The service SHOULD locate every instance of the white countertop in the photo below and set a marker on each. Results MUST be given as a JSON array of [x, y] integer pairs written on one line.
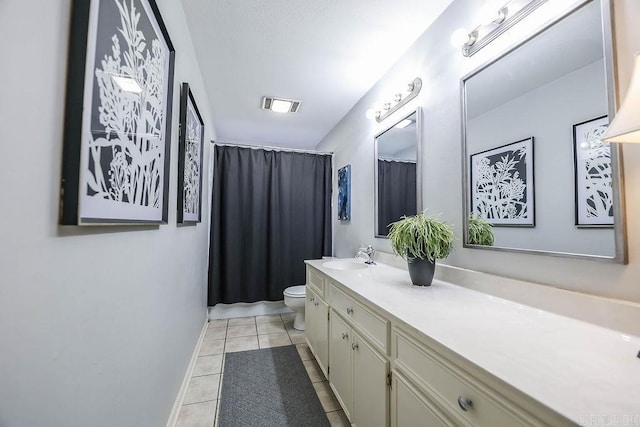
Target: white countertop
[[577, 369]]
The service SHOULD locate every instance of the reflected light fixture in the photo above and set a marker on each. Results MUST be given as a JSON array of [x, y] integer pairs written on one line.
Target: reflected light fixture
[[625, 126], [127, 84], [493, 25], [280, 105], [403, 124], [399, 99]]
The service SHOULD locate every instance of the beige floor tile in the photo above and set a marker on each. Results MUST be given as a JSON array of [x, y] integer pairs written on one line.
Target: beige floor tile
[[297, 337], [274, 340], [241, 344], [305, 352], [241, 331], [270, 328], [208, 365], [288, 316], [327, 399], [272, 318], [202, 389], [197, 414], [288, 324], [314, 371], [215, 333], [239, 321], [218, 323], [338, 419], [211, 347]]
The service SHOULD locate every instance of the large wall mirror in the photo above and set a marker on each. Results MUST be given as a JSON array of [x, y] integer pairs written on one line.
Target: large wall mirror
[[397, 171], [535, 168]]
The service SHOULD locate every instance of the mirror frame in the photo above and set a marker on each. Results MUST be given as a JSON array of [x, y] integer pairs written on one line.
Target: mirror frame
[[620, 235], [418, 112]]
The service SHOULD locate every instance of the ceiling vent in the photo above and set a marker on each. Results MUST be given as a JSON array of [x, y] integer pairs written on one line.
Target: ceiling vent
[[280, 105]]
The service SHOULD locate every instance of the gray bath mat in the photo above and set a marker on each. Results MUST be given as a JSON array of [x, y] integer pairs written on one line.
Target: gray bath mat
[[268, 387]]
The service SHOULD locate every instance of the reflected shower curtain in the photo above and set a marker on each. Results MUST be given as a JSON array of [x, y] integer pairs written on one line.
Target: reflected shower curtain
[[396, 192], [270, 211]]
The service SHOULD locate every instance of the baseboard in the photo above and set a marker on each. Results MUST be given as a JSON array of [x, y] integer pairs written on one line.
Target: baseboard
[[173, 417]]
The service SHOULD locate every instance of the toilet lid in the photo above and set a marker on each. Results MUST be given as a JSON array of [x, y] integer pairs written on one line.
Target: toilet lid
[[295, 291]]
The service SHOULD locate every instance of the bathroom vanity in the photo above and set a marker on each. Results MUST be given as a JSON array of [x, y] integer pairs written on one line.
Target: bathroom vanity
[[401, 355]]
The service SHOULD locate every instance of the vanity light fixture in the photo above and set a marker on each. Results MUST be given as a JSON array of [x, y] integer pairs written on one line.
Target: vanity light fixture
[[625, 126], [503, 19], [399, 99], [280, 105]]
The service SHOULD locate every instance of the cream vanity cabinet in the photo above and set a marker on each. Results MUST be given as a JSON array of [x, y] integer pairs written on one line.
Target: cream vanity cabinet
[[317, 319], [431, 383], [358, 374], [385, 373]]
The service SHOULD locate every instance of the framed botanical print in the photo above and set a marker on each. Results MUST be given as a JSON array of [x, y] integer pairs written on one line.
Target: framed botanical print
[[502, 190], [593, 181], [118, 115], [190, 159]]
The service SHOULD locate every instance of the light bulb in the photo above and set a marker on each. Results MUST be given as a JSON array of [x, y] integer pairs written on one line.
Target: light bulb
[[585, 145], [370, 114], [459, 37]]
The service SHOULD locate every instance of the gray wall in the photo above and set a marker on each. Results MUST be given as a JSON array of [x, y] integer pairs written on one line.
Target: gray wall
[[548, 113], [441, 66], [97, 324]]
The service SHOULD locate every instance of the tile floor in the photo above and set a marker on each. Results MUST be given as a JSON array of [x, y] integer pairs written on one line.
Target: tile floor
[[200, 405]]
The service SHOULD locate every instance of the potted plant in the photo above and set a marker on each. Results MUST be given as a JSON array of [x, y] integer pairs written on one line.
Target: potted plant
[[421, 239], [480, 231]]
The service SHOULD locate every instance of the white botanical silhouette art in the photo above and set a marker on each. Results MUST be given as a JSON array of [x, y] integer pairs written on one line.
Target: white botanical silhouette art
[[193, 143], [594, 187], [502, 184], [124, 174]]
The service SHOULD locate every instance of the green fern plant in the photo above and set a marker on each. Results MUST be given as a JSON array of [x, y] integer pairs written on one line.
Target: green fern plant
[[421, 236], [480, 231]]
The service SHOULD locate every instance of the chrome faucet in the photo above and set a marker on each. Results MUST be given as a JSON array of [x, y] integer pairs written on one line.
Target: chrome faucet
[[368, 251]]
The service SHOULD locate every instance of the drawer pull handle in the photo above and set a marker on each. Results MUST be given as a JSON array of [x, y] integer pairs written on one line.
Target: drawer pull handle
[[354, 346], [465, 403], [345, 336], [349, 310], [316, 304], [312, 299]]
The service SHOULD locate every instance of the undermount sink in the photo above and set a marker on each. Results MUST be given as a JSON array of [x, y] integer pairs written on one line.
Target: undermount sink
[[344, 265]]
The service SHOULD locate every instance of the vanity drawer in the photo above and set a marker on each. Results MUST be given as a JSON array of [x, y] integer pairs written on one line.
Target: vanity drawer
[[453, 388], [373, 326], [315, 280]]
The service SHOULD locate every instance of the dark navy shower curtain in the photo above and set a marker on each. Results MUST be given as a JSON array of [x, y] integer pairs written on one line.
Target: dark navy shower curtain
[[270, 211]]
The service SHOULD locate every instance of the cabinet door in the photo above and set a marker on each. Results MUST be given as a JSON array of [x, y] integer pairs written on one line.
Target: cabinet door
[[370, 390], [310, 321], [410, 408], [340, 361], [321, 318]]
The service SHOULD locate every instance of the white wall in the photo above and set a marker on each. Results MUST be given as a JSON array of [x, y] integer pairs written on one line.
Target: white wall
[[547, 113], [97, 324], [441, 68]]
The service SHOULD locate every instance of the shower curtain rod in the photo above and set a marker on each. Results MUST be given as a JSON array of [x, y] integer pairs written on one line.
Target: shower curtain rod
[[274, 148]]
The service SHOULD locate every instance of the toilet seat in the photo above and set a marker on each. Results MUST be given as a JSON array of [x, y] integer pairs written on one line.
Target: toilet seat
[[295, 291]]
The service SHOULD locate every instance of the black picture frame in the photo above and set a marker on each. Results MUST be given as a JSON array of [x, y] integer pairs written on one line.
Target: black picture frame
[[488, 201], [190, 152], [593, 184], [115, 165]]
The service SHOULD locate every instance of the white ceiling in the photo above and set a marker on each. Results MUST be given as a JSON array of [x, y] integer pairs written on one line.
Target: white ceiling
[[326, 53]]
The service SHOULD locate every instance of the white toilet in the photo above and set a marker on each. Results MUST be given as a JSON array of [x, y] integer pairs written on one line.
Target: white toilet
[[294, 299]]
